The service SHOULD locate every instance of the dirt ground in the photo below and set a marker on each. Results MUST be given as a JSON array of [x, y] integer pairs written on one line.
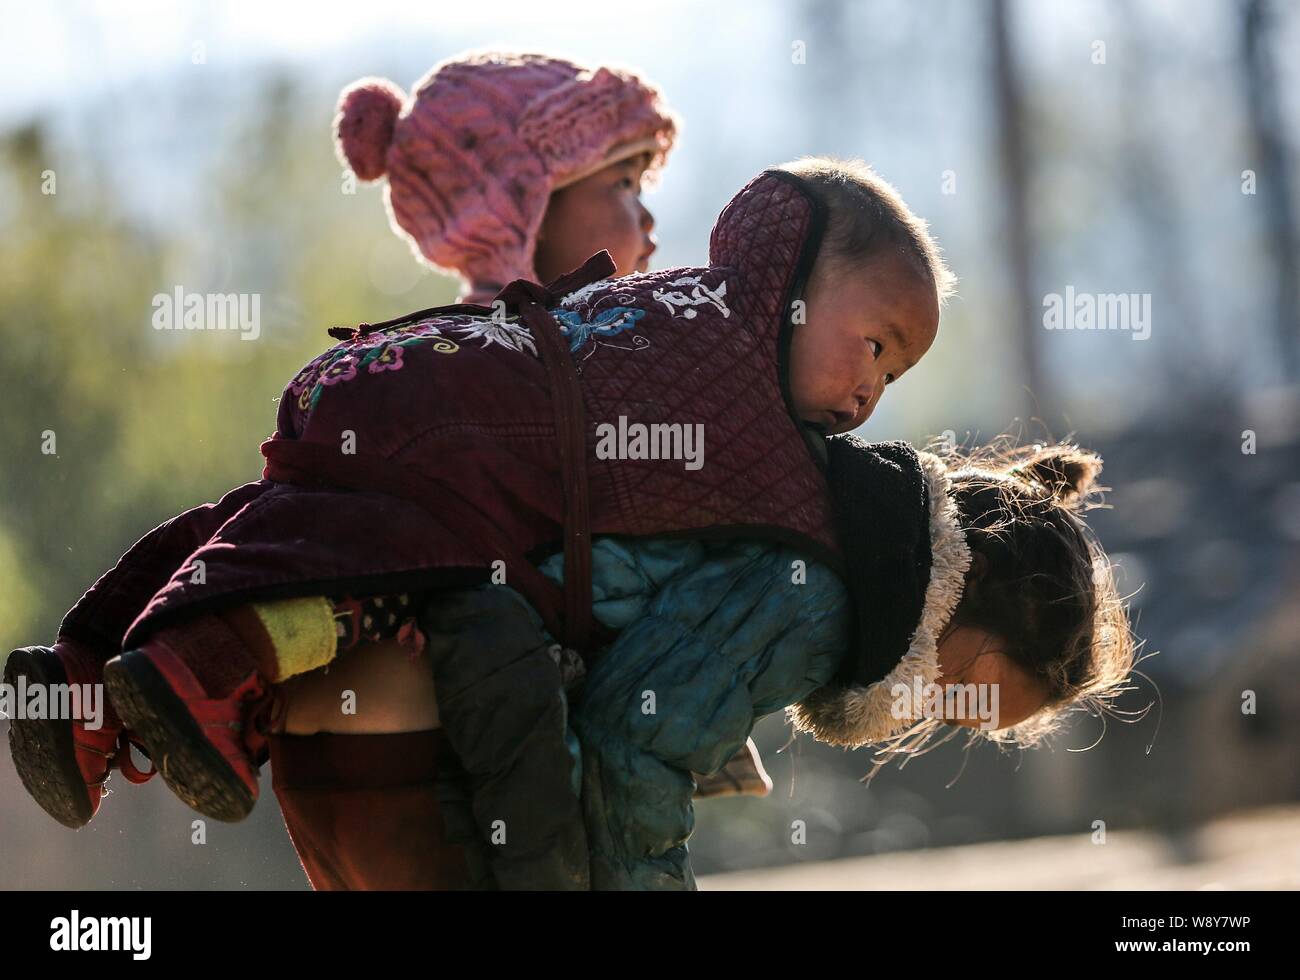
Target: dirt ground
[[1257, 849]]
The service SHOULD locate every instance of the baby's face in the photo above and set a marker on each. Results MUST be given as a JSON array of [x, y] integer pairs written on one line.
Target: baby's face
[[968, 655], [600, 211], [867, 323]]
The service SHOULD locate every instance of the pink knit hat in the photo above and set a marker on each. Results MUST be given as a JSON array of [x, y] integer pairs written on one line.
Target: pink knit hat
[[473, 155]]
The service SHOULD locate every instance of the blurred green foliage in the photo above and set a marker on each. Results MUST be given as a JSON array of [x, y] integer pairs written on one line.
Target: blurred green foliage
[[147, 423]]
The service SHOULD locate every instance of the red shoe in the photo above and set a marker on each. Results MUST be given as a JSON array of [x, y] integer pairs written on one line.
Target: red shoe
[[63, 764], [205, 741]]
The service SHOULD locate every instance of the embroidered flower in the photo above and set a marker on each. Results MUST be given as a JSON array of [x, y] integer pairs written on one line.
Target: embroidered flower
[[343, 369], [387, 357], [304, 377], [378, 351], [507, 333]]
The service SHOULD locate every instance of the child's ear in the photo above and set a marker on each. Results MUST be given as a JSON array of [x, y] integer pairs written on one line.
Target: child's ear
[[1066, 472]]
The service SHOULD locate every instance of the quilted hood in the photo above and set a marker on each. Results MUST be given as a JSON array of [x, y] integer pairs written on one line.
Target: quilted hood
[[710, 345], [770, 233]]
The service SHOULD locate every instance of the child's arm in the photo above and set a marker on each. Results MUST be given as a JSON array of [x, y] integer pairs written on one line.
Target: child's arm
[[722, 643]]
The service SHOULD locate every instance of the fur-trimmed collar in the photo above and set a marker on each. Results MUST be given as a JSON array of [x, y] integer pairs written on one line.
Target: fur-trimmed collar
[[854, 715]]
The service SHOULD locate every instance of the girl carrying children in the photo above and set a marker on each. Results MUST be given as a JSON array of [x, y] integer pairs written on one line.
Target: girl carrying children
[[845, 578], [795, 567]]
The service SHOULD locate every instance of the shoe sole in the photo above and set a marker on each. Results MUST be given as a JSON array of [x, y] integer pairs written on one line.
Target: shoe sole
[[190, 765], [43, 750]]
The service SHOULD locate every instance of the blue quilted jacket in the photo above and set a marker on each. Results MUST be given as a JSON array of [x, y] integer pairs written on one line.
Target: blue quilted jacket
[[714, 635]]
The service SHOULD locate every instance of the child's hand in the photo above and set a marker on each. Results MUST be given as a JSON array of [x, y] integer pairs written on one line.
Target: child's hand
[[743, 775]]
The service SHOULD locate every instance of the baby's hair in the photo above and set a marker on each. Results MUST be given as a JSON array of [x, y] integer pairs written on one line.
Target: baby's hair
[[867, 218], [1039, 580]]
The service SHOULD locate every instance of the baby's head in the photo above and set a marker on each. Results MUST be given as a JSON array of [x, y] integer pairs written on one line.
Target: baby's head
[[1039, 616], [873, 296], [506, 165]]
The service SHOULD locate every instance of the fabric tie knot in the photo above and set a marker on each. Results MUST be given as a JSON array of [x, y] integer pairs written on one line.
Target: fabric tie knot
[[521, 291]]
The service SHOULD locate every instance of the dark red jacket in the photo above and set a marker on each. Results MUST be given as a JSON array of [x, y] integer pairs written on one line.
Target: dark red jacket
[[421, 451]]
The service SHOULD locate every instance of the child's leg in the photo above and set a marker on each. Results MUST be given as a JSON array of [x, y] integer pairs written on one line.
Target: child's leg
[[500, 684], [197, 692], [377, 689], [61, 762], [372, 811]]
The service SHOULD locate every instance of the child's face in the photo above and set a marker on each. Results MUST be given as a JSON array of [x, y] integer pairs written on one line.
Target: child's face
[[600, 211], [866, 324], [968, 655]]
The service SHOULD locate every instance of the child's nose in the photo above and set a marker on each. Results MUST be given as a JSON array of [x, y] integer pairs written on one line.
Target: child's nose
[[647, 220], [865, 407], [867, 399]]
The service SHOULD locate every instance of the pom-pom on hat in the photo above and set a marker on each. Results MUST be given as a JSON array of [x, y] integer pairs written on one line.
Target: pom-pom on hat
[[474, 153]]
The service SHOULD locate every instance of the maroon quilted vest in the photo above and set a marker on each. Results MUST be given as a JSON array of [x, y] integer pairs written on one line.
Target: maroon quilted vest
[[431, 449]]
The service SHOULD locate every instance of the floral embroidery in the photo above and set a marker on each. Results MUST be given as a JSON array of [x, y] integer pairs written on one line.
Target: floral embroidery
[[508, 332], [680, 304], [303, 379], [429, 333], [343, 369], [607, 323], [386, 357], [382, 350]]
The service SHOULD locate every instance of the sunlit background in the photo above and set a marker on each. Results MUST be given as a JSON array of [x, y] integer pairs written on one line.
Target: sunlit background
[[1101, 147]]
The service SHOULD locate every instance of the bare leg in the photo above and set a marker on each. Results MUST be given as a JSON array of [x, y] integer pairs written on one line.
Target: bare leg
[[378, 688]]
